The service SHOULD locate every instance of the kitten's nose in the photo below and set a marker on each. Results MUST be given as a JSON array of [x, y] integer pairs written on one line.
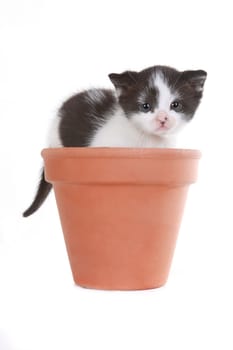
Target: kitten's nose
[[162, 116]]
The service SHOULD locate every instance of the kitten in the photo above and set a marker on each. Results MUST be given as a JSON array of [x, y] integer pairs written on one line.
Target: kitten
[[147, 109]]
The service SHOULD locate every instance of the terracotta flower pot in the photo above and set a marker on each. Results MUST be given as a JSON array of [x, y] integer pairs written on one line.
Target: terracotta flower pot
[[120, 210]]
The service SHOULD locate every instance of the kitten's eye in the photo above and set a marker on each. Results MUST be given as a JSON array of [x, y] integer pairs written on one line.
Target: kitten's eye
[[176, 106], [145, 107]]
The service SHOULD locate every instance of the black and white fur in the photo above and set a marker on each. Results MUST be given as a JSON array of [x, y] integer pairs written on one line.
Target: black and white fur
[[146, 109]]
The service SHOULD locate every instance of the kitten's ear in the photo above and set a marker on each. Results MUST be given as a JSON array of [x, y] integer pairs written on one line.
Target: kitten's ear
[[124, 80], [196, 78]]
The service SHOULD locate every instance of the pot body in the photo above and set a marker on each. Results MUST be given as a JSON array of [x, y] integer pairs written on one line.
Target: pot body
[[120, 211]]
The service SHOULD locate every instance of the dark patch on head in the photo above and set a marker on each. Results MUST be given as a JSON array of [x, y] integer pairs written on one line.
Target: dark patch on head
[[131, 86], [189, 87], [142, 93]]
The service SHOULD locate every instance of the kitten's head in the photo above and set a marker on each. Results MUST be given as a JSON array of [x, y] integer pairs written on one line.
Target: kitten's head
[[159, 100]]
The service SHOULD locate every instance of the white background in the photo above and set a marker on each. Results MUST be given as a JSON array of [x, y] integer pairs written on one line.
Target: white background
[[50, 49]]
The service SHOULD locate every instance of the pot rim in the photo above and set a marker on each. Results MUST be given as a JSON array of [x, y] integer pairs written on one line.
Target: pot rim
[[122, 152]]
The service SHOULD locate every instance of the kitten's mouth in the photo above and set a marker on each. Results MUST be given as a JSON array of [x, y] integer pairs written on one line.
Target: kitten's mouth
[[163, 127]]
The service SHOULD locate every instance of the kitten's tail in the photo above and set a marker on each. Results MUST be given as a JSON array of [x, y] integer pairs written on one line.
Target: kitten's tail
[[42, 192]]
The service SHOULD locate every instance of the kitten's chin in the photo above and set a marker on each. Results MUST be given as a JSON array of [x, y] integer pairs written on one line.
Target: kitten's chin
[[164, 132]]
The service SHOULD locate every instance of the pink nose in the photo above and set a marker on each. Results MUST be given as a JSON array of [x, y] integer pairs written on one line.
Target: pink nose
[[162, 116]]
